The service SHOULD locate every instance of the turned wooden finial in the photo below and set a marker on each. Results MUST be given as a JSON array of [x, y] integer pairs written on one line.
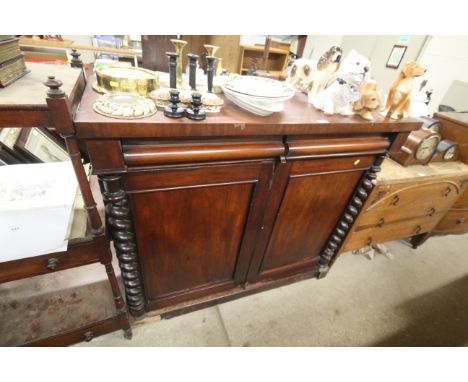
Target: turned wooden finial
[[76, 60], [54, 87]]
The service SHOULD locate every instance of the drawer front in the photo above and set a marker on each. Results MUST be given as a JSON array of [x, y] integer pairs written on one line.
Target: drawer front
[[388, 232], [422, 208], [415, 195], [462, 201], [402, 202], [455, 221]]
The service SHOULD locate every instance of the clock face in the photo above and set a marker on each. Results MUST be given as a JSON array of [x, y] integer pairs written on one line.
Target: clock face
[[450, 153], [427, 148]]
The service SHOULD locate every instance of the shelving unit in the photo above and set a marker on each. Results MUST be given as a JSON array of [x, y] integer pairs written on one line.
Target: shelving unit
[[25, 104], [275, 64]]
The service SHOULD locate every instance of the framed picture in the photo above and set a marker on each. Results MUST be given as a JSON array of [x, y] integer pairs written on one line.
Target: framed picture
[[39, 145], [8, 153], [7, 158], [396, 56]]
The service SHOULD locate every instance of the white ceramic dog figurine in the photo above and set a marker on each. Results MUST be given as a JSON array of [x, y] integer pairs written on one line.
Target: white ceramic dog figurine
[[339, 96], [317, 75]]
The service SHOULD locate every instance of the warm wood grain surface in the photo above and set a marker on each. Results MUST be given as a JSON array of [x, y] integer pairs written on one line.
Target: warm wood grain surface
[[393, 172], [298, 117], [30, 92]]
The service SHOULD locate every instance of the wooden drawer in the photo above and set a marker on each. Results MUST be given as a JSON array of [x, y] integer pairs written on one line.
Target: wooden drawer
[[455, 221], [421, 207], [462, 201], [392, 231], [415, 195]]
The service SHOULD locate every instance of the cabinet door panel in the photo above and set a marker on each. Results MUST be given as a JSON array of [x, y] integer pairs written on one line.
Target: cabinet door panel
[[313, 200], [196, 237]]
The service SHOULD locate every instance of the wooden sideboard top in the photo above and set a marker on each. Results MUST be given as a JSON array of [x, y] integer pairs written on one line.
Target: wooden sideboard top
[[297, 118], [392, 172], [29, 92], [460, 118]]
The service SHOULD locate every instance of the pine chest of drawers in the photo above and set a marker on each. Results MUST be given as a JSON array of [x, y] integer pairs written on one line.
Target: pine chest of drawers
[[408, 201]]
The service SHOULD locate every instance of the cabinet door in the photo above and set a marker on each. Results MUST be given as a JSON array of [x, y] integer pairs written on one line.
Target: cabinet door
[[195, 227], [307, 200]]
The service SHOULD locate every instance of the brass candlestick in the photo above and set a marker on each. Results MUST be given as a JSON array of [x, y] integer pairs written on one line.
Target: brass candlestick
[[179, 46], [211, 50]]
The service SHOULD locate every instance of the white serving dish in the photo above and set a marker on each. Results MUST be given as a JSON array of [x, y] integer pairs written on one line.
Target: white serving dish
[[255, 107], [259, 88]]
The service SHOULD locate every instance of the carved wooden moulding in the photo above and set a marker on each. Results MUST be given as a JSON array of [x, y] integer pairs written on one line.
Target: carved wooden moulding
[[349, 216], [121, 229]]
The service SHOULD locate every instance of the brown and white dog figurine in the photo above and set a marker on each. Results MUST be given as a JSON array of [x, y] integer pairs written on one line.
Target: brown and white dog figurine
[[398, 100], [368, 102], [317, 75]]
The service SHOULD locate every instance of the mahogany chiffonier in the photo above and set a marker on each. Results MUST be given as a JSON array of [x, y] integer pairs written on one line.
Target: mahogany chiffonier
[[201, 212]]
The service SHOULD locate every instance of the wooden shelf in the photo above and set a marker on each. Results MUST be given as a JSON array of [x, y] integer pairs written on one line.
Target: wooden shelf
[[274, 66]]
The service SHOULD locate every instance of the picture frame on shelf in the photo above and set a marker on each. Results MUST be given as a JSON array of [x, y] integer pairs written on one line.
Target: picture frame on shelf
[[41, 146], [8, 153], [396, 56]]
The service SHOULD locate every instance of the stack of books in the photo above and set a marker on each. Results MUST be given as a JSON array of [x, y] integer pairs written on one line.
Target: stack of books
[[12, 64]]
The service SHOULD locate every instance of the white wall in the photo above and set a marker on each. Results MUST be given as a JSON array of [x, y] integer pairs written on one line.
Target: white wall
[[377, 49], [317, 45], [446, 60]]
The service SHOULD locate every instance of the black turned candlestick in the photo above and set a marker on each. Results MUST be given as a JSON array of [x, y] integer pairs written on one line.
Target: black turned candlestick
[[193, 70], [209, 72], [195, 112], [172, 69], [173, 110]]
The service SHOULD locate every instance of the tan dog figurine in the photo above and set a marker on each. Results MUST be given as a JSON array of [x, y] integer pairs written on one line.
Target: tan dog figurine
[[368, 102], [398, 100]]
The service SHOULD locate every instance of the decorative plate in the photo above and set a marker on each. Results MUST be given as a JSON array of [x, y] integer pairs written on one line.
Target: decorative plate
[[124, 106]]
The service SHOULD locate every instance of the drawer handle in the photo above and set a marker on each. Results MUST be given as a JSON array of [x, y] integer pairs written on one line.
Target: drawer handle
[[396, 200], [369, 240], [432, 211], [461, 221], [381, 222], [88, 336], [448, 191], [418, 229], [52, 263]]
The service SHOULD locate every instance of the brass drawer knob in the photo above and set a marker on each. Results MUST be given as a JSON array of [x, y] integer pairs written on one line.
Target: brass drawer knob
[[461, 221], [418, 229], [52, 263], [432, 211], [396, 200], [381, 222], [448, 191]]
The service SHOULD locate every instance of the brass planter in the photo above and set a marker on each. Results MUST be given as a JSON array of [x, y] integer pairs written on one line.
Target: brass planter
[[125, 79]]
